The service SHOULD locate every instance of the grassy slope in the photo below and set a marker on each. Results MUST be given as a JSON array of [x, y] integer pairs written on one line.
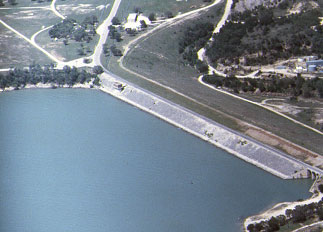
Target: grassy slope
[[168, 71], [28, 22], [16, 52]]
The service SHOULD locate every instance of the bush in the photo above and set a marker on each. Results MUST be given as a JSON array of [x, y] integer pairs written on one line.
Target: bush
[[97, 69], [115, 21], [152, 17], [321, 188], [169, 14], [251, 227]]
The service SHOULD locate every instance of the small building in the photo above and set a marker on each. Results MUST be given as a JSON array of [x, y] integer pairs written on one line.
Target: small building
[[132, 18], [299, 69], [134, 22], [281, 67], [316, 63], [311, 68], [310, 58]]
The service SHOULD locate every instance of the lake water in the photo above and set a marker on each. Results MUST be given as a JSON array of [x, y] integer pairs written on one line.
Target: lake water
[[81, 161]]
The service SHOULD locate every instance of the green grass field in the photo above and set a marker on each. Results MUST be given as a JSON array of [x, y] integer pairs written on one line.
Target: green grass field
[[27, 3], [65, 52], [80, 9], [16, 52], [29, 21], [158, 7]]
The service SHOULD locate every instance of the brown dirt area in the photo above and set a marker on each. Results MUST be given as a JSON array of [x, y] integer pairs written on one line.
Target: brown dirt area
[[290, 148]]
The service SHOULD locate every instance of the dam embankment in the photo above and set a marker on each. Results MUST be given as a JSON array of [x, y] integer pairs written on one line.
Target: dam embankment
[[245, 148]]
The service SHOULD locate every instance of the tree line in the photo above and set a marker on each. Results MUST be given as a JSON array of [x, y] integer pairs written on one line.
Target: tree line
[[19, 78], [297, 86], [194, 38]]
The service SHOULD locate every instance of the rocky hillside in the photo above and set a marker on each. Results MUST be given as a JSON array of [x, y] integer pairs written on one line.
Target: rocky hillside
[[271, 31]]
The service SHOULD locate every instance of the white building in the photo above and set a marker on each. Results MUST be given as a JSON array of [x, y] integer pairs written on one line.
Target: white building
[[134, 21]]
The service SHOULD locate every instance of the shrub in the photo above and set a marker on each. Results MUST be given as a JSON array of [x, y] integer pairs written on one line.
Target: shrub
[[321, 188]]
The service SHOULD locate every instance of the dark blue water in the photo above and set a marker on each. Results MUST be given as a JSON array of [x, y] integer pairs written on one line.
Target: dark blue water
[[82, 161]]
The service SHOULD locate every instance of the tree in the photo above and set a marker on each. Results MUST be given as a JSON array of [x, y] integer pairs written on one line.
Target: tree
[[137, 10], [1, 3], [320, 213], [321, 188], [97, 69], [251, 227], [169, 14], [115, 51], [306, 91], [80, 51], [115, 21], [152, 17], [273, 224], [298, 215], [65, 41], [143, 24], [319, 87], [118, 37], [202, 67], [12, 2]]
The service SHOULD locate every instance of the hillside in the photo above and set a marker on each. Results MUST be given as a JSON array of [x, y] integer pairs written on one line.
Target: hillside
[[266, 33]]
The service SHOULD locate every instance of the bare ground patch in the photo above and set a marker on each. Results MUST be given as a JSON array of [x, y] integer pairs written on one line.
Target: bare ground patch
[[290, 148]]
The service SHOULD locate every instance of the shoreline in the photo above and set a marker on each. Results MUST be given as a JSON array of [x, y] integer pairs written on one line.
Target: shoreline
[[50, 86], [280, 208]]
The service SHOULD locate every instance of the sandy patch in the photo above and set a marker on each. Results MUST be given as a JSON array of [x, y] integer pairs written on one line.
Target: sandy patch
[[58, 56], [287, 146]]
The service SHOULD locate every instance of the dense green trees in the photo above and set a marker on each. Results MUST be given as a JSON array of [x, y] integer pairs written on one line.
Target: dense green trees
[[71, 29], [274, 84], [195, 37], [267, 37], [19, 78], [114, 34], [298, 215]]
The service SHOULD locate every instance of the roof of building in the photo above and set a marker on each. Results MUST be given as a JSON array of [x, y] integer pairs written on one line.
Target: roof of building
[[314, 62], [134, 21], [132, 17]]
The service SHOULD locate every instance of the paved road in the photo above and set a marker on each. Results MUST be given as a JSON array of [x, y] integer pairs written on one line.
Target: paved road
[[103, 32]]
